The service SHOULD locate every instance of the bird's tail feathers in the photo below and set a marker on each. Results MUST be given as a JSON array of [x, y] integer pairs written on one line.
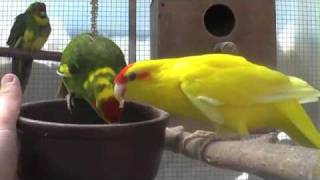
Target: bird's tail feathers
[[22, 69], [300, 127]]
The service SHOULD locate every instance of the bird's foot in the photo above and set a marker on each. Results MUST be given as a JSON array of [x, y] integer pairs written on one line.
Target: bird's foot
[[197, 134], [207, 138]]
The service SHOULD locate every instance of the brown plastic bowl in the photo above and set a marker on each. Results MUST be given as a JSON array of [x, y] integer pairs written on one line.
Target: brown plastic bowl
[[51, 149]]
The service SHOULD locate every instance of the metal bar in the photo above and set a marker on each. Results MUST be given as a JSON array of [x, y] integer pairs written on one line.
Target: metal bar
[[132, 30], [39, 55], [94, 15]]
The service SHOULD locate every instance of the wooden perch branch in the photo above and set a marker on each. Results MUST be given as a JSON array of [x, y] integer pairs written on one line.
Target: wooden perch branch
[[41, 55], [260, 156]]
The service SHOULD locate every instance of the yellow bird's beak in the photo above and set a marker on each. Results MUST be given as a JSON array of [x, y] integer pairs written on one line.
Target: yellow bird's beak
[[119, 91]]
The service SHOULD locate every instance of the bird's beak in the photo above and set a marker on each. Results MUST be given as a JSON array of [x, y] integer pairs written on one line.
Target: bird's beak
[[108, 108], [119, 91], [43, 13]]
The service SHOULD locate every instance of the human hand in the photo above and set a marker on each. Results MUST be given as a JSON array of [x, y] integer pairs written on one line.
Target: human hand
[[10, 101]]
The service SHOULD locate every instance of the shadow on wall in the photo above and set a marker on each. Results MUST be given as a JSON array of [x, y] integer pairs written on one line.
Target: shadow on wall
[[43, 82]]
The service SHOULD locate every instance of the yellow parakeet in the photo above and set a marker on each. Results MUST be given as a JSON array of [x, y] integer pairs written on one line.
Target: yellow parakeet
[[234, 94]]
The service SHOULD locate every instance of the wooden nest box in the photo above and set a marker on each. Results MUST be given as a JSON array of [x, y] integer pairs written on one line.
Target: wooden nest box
[[189, 27]]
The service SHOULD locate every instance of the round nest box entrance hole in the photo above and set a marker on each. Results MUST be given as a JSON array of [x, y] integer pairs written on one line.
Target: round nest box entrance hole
[[219, 20]]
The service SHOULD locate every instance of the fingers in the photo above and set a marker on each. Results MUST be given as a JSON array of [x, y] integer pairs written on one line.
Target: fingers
[[10, 101]]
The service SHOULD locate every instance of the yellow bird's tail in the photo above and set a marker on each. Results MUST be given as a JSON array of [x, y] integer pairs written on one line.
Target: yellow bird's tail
[[298, 124]]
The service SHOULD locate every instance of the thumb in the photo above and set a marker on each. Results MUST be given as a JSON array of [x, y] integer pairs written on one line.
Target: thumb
[[10, 101]]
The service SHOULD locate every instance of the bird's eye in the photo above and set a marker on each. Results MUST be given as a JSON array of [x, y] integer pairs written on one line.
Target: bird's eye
[[132, 76]]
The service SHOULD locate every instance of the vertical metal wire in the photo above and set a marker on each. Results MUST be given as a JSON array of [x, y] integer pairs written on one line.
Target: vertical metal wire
[[94, 15], [132, 30]]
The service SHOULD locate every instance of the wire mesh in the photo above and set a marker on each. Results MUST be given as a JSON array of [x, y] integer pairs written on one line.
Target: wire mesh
[[143, 29], [298, 32]]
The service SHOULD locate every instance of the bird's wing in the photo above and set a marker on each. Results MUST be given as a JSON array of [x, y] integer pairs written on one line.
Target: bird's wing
[[207, 105], [17, 31], [209, 88], [299, 90]]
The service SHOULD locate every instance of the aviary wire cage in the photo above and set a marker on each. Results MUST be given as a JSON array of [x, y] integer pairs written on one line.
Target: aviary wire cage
[[298, 53]]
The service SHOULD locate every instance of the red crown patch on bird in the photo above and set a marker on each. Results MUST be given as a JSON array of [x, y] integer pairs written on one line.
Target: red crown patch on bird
[[120, 78]]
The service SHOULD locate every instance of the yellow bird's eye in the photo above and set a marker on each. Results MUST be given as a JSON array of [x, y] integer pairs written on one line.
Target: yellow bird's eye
[[131, 76]]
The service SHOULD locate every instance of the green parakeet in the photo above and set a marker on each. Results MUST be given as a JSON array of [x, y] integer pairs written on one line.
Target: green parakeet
[[88, 66], [235, 95], [30, 31]]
